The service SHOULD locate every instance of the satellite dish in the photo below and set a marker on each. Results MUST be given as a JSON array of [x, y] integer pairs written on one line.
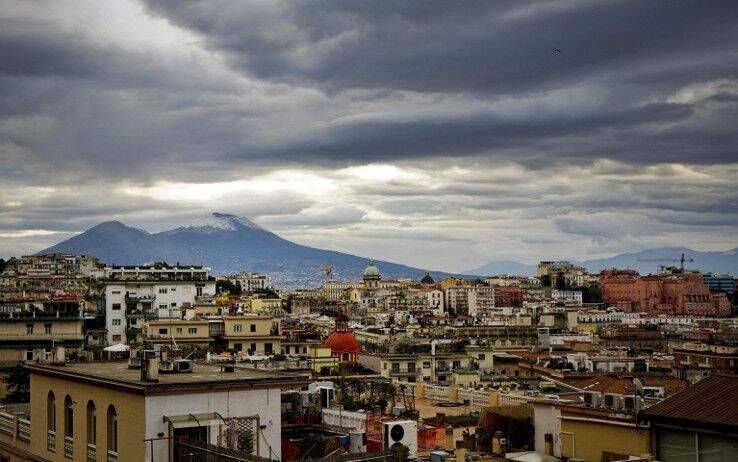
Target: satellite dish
[[638, 388]]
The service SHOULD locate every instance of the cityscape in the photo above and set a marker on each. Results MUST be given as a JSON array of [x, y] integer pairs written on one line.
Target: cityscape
[[351, 231]]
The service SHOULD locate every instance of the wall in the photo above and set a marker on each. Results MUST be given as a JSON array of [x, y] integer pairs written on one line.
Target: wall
[[593, 438], [129, 407], [237, 403]]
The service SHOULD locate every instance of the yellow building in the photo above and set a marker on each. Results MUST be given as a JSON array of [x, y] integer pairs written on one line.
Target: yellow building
[[255, 334], [264, 305], [321, 359], [192, 332], [105, 412], [29, 338]]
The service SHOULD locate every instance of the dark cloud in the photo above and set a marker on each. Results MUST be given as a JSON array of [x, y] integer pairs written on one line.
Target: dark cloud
[[510, 146]]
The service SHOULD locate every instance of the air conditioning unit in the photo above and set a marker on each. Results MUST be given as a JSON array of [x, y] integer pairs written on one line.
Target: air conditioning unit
[[613, 401], [593, 399], [404, 432], [632, 403]]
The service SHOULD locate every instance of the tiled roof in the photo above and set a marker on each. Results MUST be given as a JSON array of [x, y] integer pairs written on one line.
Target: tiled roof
[[712, 401], [624, 385]]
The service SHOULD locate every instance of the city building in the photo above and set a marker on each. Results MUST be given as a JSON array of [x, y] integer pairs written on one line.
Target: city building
[[107, 411], [470, 300], [250, 282], [135, 294]]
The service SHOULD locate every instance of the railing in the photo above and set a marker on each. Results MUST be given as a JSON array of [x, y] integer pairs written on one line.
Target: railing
[[51, 441], [7, 423], [91, 453], [68, 447], [21, 337], [112, 456], [24, 430], [436, 393]]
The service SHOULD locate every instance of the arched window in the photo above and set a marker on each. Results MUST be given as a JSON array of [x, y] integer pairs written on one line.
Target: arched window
[[112, 429], [51, 412], [68, 417], [91, 423], [345, 357]]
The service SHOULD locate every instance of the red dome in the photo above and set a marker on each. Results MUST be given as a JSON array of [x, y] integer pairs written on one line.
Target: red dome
[[343, 342]]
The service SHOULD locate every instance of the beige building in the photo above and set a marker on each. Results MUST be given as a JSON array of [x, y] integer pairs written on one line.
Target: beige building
[[255, 334], [191, 332], [104, 412]]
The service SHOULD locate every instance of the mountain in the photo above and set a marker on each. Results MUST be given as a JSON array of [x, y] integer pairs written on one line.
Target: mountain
[[717, 262], [227, 244], [505, 267]]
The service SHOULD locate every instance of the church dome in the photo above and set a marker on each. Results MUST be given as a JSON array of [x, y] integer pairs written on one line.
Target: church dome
[[343, 342], [371, 270], [427, 279]]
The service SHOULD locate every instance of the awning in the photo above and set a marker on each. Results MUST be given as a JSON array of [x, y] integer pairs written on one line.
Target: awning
[[118, 347], [194, 420]]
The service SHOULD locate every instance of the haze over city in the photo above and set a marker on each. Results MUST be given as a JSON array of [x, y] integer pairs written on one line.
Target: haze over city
[[429, 134]]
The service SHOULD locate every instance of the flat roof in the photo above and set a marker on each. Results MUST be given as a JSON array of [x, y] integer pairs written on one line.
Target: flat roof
[[204, 377]]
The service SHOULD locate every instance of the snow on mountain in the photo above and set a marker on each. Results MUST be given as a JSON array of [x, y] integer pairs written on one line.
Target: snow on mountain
[[223, 221]]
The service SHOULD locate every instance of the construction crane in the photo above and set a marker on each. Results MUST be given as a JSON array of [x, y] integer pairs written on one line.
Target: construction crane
[[671, 260]]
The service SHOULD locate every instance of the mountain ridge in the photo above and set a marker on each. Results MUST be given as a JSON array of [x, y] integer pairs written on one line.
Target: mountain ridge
[[227, 244]]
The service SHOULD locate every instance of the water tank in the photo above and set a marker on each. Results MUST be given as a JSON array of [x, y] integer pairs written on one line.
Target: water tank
[[357, 442]]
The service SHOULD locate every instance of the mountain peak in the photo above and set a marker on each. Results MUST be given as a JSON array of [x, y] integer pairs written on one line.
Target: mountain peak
[[114, 225], [224, 221]]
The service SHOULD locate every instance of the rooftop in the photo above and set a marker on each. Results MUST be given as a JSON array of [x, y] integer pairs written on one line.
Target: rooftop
[[711, 402], [204, 377]]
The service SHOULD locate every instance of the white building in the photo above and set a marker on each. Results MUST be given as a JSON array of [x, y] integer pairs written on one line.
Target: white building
[[129, 302], [250, 282], [572, 296], [470, 300]]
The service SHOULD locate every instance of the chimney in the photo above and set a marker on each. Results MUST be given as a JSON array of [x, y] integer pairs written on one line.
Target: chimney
[[149, 368]]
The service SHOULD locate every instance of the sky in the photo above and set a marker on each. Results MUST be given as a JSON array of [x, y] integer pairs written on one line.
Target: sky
[[432, 133]]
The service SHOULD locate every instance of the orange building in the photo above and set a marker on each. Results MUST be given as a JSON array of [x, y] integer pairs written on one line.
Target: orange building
[[682, 293]]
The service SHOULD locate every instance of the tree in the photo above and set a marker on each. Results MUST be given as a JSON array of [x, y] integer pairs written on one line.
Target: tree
[[225, 286], [238, 289], [560, 281], [546, 280], [2, 264], [18, 384]]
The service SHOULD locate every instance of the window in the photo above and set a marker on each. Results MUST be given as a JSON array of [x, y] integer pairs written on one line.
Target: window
[[426, 364], [253, 348], [116, 322], [162, 291], [238, 346], [116, 338], [411, 367], [179, 330], [268, 348], [482, 357], [112, 429], [237, 328], [115, 306], [192, 330], [173, 305], [163, 306], [51, 412], [198, 292], [29, 328], [345, 357], [47, 328], [252, 328], [115, 292], [91, 423], [68, 417], [29, 355], [163, 331], [173, 289]]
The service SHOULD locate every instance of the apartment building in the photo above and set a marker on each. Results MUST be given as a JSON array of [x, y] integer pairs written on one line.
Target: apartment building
[[105, 411], [252, 334], [250, 282], [134, 295], [470, 300]]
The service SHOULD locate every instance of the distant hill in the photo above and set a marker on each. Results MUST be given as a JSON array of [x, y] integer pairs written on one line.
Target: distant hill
[[226, 243], [718, 262], [505, 267]]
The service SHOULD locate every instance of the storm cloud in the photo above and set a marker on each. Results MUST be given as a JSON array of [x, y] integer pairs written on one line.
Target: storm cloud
[[434, 133]]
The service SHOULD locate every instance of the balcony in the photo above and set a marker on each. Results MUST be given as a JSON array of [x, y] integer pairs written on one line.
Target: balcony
[[404, 373], [40, 336], [216, 330], [68, 447], [91, 453], [51, 441], [140, 298], [443, 369], [112, 456], [134, 314]]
